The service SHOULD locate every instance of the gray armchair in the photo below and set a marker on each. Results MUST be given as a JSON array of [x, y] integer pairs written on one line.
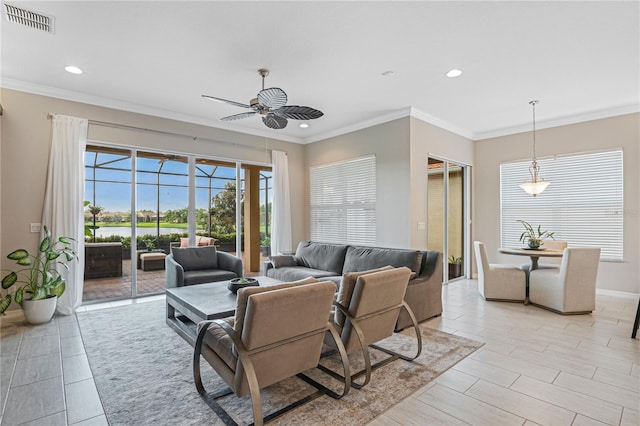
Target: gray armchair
[[199, 265]]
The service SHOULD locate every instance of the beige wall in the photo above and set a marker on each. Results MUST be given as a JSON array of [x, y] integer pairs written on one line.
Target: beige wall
[[621, 131], [390, 144], [25, 140]]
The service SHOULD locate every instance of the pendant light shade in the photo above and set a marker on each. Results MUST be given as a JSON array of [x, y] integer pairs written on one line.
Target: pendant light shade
[[535, 184]]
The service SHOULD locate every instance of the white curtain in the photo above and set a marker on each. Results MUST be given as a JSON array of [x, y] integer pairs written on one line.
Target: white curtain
[[63, 210], [281, 204]]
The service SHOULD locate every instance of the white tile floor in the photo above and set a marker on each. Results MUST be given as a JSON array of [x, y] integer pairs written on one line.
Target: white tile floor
[[536, 367]]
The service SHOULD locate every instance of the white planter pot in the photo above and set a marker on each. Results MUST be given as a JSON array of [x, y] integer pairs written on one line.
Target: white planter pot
[[39, 311]]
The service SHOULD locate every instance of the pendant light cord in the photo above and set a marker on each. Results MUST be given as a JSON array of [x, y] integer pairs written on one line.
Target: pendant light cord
[[533, 104]]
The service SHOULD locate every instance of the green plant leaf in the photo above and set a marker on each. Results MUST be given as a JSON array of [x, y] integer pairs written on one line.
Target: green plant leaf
[[18, 254], [58, 289], [69, 256], [24, 262], [9, 280], [6, 301], [45, 244], [39, 294], [18, 296], [52, 254], [64, 240]]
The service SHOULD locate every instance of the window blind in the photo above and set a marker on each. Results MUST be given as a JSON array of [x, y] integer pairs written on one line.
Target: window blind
[[343, 201], [583, 205]]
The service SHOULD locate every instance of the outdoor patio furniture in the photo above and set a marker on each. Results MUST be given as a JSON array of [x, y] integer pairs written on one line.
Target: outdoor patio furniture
[[102, 260], [152, 261]]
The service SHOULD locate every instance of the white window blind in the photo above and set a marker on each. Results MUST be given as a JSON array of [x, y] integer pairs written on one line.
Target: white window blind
[[343, 202], [583, 205]]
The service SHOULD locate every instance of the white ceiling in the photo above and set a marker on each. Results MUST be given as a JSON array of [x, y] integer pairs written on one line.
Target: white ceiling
[[580, 59]]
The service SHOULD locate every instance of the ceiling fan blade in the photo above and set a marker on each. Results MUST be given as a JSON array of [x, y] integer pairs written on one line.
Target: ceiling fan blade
[[274, 122], [298, 112], [224, 101], [272, 98], [238, 116]]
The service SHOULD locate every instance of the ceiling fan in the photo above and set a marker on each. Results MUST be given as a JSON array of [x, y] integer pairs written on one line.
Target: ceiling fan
[[270, 104]]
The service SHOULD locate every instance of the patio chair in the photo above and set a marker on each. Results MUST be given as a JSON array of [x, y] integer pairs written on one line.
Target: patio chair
[[277, 333], [366, 311], [570, 289]]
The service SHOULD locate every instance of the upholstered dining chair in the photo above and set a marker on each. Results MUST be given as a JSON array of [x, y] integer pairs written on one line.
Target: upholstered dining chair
[[549, 262], [499, 282], [367, 308], [277, 332], [570, 289]]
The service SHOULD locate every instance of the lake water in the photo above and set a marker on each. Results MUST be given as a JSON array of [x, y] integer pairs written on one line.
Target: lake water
[[125, 231]]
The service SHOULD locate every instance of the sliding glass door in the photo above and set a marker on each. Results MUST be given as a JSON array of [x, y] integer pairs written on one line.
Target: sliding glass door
[[138, 208], [448, 215]]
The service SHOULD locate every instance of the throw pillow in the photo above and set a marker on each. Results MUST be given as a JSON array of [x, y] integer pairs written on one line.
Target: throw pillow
[[184, 242], [347, 285], [283, 261]]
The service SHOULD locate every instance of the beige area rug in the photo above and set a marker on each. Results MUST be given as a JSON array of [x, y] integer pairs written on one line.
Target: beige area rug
[[143, 373]]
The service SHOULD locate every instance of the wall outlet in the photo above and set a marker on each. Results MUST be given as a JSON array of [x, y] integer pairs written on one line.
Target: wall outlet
[[422, 226], [35, 227]]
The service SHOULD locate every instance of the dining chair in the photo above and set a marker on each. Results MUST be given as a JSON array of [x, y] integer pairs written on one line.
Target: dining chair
[[277, 333], [499, 282], [549, 262], [571, 289]]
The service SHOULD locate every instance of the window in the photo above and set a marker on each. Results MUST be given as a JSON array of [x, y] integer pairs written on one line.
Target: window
[[343, 202], [583, 205]]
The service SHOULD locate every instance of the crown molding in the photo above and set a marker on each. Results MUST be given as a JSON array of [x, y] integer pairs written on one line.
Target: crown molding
[[562, 121], [423, 116], [38, 89]]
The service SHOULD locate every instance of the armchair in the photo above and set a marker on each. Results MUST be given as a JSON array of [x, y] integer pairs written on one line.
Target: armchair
[[277, 333], [367, 308], [198, 265]]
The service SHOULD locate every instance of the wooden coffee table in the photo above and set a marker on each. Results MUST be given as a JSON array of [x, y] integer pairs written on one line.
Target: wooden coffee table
[[187, 306]]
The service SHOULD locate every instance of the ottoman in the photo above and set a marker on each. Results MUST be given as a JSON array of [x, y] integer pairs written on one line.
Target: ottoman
[[152, 261]]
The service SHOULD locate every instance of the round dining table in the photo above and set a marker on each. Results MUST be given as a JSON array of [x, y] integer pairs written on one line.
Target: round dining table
[[534, 255]]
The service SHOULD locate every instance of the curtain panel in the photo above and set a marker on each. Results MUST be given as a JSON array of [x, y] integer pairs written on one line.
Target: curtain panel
[[63, 210], [281, 208]]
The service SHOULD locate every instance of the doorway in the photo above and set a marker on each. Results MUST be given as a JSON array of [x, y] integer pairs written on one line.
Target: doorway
[[447, 186]]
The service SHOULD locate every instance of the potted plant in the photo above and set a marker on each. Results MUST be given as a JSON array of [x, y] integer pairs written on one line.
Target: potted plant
[[265, 246], [455, 266], [41, 283], [534, 237]]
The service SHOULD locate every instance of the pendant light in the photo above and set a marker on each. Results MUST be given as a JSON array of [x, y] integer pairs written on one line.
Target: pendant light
[[536, 184]]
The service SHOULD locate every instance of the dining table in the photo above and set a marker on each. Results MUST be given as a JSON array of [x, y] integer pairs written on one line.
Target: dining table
[[534, 255]]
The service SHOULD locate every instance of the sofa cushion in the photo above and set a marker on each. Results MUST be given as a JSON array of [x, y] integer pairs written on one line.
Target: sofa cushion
[[322, 256], [201, 276], [345, 292], [283, 260], [196, 258], [292, 273], [246, 292], [360, 258]]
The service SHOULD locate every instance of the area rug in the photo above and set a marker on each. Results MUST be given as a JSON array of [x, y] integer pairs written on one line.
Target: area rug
[[143, 373]]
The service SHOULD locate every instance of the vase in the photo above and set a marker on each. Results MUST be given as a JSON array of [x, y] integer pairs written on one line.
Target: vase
[[39, 311], [534, 244]]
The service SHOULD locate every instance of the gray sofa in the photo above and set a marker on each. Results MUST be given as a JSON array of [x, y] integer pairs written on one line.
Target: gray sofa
[[330, 261], [199, 265]]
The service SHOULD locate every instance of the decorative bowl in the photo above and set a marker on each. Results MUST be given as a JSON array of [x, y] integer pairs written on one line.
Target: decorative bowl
[[238, 283]]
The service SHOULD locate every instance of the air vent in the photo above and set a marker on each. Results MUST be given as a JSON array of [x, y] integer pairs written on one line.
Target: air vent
[[29, 18]]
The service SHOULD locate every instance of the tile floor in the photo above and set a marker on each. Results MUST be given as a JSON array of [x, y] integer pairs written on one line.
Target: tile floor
[[536, 367]]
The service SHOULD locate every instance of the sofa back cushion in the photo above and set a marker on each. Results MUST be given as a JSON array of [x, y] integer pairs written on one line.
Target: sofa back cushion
[[196, 258], [359, 258], [323, 256]]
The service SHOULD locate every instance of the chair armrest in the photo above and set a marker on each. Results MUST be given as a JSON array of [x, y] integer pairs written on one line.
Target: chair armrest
[[266, 266], [174, 272], [230, 263], [431, 266]]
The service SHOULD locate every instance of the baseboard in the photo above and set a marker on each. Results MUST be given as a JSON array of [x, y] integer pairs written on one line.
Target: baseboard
[[616, 293]]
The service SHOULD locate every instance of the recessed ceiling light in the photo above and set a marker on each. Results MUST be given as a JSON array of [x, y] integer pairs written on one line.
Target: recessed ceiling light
[[304, 125], [388, 73], [454, 73], [73, 69]]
